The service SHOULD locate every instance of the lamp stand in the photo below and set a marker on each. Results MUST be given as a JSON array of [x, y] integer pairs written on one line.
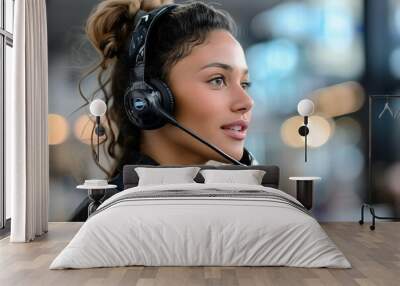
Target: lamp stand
[[303, 131]]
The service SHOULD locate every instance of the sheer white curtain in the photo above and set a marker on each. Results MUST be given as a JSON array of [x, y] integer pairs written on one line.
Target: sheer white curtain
[[27, 156]]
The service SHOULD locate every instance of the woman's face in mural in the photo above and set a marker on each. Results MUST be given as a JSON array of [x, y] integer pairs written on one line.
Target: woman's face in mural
[[210, 89]]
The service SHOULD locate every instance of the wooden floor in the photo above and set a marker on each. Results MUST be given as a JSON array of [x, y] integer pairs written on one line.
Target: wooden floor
[[374, 255]]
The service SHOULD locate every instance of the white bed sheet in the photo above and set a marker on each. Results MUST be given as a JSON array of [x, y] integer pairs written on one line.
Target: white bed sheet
[[200, 231]]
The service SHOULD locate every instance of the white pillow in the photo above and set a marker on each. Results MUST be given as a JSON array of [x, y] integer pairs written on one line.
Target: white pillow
[[249, 177], [162, 176]]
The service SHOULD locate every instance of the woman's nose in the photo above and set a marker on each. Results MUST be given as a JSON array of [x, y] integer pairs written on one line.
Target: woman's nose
[[243, 102]]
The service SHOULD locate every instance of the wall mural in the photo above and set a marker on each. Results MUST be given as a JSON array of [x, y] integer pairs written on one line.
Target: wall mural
[[294, 50]]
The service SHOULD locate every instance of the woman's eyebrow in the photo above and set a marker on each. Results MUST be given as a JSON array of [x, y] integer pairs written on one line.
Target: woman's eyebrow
[[223, 66]]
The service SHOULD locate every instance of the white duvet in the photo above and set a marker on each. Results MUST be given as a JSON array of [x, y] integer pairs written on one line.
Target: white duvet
[[181, 231]]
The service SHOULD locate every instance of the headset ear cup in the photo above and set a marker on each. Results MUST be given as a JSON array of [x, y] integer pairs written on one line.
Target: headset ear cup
[[167, 98], [131, 112], [139, 110]]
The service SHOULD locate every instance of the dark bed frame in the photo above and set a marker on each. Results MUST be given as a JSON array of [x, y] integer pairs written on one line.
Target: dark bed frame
[[270, 179]]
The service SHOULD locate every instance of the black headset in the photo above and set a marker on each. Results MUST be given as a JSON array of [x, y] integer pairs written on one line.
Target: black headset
[[148, 102], [146, 96]]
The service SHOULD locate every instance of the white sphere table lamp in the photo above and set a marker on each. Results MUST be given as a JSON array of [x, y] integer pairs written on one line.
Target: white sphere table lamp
[[98, 108]]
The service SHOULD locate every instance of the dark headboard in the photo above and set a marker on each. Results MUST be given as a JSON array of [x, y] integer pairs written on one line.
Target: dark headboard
[[270, 179]]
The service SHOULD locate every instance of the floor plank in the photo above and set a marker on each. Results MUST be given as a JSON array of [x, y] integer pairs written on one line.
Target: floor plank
[[374, 255]]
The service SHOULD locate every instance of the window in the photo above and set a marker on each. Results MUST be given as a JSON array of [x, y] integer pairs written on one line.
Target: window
[[6, 45]]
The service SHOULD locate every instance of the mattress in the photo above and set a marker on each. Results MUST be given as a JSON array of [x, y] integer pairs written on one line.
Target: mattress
[[201, 225]]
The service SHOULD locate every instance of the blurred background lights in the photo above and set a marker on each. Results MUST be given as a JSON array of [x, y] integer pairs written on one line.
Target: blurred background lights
[[320, 131], [348, 162], [394, 62], [58, 129], [395, 17], [84, 125], [337, 48], [331, 61], [348, 130], [83, 129], [289, 132], [392, 178], [277, 58], [337, 26], [339, 99], [291, 19], [273, 98]]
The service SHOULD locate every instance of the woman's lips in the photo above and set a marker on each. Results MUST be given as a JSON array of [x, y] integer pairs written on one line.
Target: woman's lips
[[236, 129], [235, 134]]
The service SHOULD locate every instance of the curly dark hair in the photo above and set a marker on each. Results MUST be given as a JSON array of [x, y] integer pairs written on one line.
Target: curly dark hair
[[108, 29]]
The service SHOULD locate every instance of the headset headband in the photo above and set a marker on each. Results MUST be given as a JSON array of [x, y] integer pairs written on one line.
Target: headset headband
[[138, 44]]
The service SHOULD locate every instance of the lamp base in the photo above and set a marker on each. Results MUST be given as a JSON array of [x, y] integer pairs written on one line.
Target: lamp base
[[96, 197]]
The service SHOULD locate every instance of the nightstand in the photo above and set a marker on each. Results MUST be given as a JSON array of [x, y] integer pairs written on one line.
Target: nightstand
[[96, 195], [304, 190]]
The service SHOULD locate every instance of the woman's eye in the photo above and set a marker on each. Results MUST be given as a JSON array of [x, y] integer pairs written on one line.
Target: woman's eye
[[246, 85], [218, 81]]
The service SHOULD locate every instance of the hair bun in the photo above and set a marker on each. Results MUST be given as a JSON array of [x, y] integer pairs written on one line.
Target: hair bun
[[109, 24], [134, 6], [148, 5]]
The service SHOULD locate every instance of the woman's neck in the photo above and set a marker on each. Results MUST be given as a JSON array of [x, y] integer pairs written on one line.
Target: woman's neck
[[165, 152]]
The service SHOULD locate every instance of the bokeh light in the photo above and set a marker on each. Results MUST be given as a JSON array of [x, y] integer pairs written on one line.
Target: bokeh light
[[84, 125], [328, 31], [83, 129], [321, 129], [392, 178], [277, 58], [394, 17], [339, 99], [289, 132], [58, 129], [394, 62], [337, 27], [291, 19], [348, 163], [337, 47], [348, 130], [345, 63]]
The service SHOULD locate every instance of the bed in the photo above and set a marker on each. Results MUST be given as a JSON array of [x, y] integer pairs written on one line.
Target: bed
[[201, 224]]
